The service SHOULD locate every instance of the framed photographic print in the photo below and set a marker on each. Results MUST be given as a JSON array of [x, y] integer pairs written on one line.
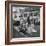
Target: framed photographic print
[[24, 22]]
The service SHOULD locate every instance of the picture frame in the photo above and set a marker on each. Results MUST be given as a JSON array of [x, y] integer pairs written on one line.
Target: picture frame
[[32, 31]]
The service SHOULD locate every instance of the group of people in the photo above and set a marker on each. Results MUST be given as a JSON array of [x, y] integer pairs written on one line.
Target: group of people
[[26, 25]]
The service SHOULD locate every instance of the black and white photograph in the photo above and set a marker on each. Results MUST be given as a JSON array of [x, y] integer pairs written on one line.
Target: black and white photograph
[[25, 21]]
